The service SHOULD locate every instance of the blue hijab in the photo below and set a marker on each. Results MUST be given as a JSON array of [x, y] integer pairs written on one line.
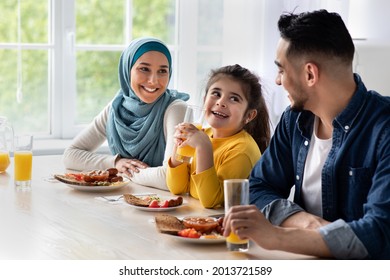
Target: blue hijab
[[135, 128]]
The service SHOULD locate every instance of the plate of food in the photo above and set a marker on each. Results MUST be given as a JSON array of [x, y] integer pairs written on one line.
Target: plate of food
[[94, 181], [194, 229], [153, 203]]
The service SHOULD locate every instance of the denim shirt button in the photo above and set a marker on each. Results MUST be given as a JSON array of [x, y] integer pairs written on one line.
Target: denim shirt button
[[346, 127], [350, 173], [297, 177], [306, 143]]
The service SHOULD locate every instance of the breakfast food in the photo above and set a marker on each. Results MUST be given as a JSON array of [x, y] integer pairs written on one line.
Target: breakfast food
[[152, 201], [202, 224], [136, 201], [175, 202], [91, 178], [190, 227], [168, 224]]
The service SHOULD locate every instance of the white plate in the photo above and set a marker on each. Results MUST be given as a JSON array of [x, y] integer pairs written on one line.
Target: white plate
[[112, 187], [197, 240], [150, 209]]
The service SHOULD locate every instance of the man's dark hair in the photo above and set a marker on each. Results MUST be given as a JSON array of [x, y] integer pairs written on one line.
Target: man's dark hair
[[316, 33]]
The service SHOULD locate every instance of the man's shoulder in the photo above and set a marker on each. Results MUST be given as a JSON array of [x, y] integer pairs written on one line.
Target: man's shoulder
[[378, 106], [382, 100]]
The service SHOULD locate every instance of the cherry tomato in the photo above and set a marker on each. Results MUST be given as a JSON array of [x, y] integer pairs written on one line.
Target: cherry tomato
[[193, 233], [189, 232], [184, 232], [154, 204]]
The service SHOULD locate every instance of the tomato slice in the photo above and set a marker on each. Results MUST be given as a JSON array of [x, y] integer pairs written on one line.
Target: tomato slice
[[154, 204], [76, 176], [165, 204]]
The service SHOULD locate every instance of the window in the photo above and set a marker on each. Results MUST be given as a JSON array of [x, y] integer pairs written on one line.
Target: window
[[96, 34], [26, 58], [60, 57]]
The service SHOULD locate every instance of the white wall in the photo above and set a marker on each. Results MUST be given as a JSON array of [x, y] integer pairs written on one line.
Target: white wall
[[250, 37], [364, 18], [372, 63], [369, 20]]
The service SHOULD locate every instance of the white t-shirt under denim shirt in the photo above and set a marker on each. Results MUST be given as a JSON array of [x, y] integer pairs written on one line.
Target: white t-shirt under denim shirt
[[311, 185]]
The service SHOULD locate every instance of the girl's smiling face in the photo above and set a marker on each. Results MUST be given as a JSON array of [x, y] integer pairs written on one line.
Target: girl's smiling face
[[226, 106], [150, 76]]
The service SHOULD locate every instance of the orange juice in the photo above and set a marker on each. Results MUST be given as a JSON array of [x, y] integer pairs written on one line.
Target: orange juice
[[185, 153], [4, 161], [23, 165], [233, 238], [234, 243]]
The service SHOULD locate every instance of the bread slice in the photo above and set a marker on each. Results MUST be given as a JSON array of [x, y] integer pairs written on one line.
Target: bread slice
[[168, 224], [68, 180], [136, 201]]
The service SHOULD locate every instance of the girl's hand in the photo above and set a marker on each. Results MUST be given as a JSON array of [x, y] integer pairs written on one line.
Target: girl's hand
[[188, 134], [129, 166]]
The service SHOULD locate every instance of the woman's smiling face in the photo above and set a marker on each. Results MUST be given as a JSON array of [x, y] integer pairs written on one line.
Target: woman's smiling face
[[226, 106], [149, 76]]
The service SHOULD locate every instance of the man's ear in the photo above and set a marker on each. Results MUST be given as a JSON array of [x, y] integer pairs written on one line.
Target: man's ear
[[311, 70]]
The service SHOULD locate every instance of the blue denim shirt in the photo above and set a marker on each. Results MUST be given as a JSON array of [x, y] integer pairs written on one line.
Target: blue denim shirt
[[355, 176]]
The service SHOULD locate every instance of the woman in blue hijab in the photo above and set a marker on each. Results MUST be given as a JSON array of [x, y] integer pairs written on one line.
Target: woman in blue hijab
[[139, 122]]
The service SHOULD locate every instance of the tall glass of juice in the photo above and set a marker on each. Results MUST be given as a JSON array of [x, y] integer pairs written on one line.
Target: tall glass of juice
[[236, 192], [195, 115], [23, 161]]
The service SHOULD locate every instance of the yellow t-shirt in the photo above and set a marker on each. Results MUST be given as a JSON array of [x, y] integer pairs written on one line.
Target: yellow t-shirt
[[234, 158]]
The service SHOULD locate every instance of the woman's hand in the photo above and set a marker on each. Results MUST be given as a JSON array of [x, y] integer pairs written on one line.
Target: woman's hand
[[129, 166]]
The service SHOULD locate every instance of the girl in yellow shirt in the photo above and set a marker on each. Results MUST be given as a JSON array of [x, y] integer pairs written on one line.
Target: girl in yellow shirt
[[239, 131]]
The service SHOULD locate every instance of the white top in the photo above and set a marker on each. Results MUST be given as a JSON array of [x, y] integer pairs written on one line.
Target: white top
[[81, 155], [311, 185]]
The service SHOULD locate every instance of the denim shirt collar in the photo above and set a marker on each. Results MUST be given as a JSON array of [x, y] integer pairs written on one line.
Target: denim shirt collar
[[345, 120], [305, 122], [347, 117]]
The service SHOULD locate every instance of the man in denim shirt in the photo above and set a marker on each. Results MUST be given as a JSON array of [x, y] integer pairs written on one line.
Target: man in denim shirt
[[332, 144]]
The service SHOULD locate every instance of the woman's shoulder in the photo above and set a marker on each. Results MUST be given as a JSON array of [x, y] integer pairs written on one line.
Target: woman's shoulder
[[175, 112], [177, 103], [177, 107]]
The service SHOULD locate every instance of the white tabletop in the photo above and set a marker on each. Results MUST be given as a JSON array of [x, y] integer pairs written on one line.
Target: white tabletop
[[54, 221]]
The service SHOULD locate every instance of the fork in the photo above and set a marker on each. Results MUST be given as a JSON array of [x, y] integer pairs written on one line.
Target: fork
[[112, 199], [118, 198]]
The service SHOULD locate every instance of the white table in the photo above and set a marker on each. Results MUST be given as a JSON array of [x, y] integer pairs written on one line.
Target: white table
[[56, 222]]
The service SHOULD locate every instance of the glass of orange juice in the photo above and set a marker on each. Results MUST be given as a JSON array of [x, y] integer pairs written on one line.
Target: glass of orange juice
[[236, 192], [6, 141], [195, 115], [23, 161], [4, 161]]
